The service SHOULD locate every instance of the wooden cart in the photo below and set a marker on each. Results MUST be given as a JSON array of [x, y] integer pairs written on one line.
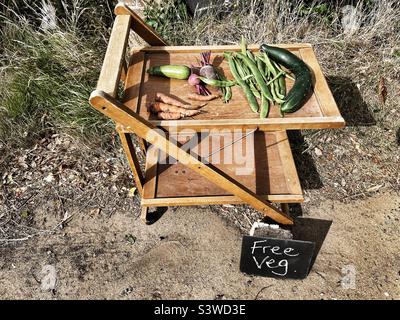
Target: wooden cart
[[195, 179]]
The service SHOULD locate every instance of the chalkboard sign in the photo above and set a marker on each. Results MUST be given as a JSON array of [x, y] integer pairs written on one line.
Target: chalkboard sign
[[278, 258]]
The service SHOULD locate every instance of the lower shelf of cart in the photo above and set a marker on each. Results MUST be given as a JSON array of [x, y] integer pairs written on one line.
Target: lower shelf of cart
[[260, 161]]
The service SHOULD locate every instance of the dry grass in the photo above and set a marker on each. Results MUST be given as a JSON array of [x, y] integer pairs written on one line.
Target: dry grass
[[363, 157], [340, 164], [48, 67]]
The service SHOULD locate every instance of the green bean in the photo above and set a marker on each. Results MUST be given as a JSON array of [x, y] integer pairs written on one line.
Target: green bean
[[223, 91], [274, 78], [249, 95], [250, 55], [245, 72], [277, 90], [247, 77], [274, 86], [280, 69], [257, 75], [217, 83], [274, 95], [282, 85], [243, 45], [264, 107], [269, 65], [226, 91], [261, 67], [228, 94]]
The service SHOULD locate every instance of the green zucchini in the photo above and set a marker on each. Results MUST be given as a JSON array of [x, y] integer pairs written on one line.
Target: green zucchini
[[170, 71], [302, 87]]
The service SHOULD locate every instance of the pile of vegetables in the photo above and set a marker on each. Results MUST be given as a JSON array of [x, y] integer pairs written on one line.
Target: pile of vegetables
[[169, 108], [260, 75], [198, 76]]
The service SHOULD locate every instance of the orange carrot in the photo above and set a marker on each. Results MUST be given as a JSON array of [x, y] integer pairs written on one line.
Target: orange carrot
[[161, 97], [169, 115], [198, 97], [191, 113], [194, 106], [163, 107]]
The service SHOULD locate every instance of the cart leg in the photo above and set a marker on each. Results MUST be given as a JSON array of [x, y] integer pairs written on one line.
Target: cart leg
[[142, 144], [129, 149], [144, 215], [152, 217], [285, 208]]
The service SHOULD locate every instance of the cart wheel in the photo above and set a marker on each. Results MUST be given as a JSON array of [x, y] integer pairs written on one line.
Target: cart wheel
[[152, 217]]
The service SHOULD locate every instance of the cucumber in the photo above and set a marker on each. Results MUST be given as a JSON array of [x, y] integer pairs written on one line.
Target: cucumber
[[303, 84], [180, 72]]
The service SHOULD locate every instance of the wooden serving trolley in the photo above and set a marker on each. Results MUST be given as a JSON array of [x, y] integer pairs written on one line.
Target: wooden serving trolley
[[194, 179]]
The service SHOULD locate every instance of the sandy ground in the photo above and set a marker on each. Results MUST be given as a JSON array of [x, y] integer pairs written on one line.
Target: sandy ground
[[193, 253]]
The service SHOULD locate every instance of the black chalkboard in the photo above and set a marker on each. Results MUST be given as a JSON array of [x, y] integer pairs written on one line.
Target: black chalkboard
[[278, 258]]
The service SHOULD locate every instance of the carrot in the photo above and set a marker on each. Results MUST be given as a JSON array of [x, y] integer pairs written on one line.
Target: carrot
[[198, 97], [161, 97], [169, 115], [191, 113], [163, 107], [194, 106]]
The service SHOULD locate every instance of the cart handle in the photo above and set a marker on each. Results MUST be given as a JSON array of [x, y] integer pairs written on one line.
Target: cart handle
[[114, 60], [114, 64]]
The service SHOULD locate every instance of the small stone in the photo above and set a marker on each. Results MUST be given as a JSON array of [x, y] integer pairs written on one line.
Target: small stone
[[49, 178], [127, 291], [318, 152], [386, 294], [49, 279]]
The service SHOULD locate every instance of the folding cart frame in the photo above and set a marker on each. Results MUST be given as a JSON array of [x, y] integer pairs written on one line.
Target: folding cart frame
[[194, 179]]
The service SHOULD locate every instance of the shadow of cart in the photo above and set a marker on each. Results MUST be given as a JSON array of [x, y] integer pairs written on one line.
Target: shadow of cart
[[348, 98]]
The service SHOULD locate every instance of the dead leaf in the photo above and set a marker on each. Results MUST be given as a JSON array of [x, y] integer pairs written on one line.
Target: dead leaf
[[131, 192], [130, 238], [24, 214], [382, 91], [375, 188]]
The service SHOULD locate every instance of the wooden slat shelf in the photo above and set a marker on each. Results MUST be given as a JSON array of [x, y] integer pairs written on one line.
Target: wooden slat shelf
[[320, 111], [262, 161]]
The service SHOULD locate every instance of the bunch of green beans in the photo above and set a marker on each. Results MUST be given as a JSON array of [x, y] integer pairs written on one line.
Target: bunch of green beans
[[259, 77], [226, 90]]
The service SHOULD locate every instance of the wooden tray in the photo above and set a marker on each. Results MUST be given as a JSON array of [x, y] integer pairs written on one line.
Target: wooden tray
[[320, 111], [262, 161]]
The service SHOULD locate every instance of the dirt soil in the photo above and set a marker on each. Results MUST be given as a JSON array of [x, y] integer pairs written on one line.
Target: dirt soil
[[192, 253], [76, 214]]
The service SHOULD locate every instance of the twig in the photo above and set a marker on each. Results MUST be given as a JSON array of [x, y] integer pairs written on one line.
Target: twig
[[18, 239], [39, 232], [262, 289], [26, 201]]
